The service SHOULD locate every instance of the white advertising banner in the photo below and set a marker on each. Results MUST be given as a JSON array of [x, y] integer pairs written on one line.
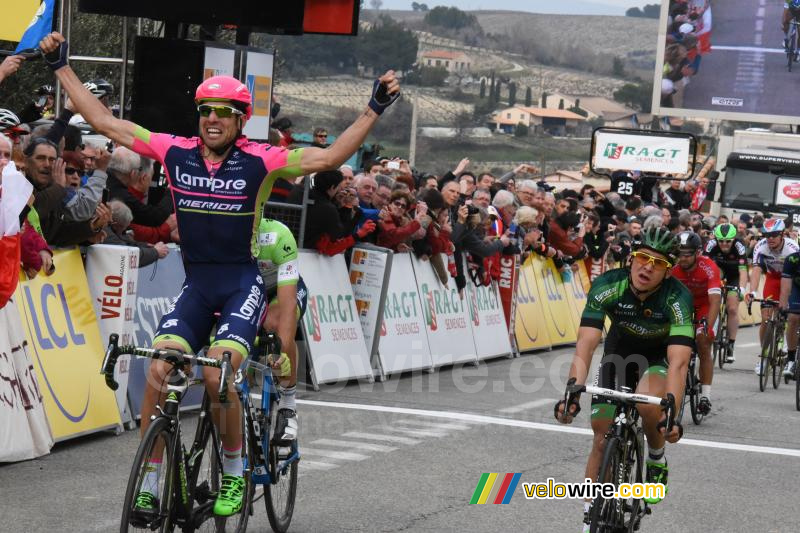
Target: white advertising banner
[[25, 431], [331, 325], [218, 62], [403, 338], [112, 272], [646, 153], [368, 269], [488, 321], [447, 320], [259, 80]]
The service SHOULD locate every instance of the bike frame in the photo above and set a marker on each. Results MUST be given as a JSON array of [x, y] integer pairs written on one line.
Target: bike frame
[[259, 418]]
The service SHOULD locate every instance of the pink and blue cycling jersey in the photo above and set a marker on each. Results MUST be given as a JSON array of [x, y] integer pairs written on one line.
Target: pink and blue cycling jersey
[[218, 207]]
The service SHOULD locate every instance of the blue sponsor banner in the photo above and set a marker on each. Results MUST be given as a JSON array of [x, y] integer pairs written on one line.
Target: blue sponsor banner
[[158, 286]]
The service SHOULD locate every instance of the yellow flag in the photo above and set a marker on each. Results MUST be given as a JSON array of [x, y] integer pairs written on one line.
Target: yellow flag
[[17, 16]]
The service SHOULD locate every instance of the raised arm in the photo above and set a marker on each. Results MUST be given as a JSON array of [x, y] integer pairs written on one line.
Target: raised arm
[[385, 91], [121, 131]]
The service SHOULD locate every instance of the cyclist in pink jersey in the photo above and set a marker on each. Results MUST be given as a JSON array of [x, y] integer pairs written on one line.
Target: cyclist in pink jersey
[[219, 181]]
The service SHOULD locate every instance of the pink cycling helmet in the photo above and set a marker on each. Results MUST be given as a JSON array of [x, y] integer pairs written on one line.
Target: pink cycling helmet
[[225, 89]]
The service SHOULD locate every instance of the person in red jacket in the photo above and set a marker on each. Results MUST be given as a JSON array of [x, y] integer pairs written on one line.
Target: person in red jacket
[[701, 276], [397, 229], [559, 237]]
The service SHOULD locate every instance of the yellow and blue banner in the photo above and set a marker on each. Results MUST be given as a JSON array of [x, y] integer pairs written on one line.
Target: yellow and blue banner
[[64, 342], [26, 21], [495, 488]]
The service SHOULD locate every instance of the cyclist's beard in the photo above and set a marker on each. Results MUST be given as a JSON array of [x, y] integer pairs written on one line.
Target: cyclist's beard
[[223, 149]]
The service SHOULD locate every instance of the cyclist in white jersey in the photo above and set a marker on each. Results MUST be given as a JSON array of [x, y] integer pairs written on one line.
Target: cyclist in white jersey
[[768, 257]]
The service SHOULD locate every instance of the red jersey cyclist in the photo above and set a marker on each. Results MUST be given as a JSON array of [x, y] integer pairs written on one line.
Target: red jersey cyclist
[[768, 257], [700, 274]]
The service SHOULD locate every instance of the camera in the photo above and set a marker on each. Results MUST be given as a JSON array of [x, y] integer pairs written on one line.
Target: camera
[[472, 210]]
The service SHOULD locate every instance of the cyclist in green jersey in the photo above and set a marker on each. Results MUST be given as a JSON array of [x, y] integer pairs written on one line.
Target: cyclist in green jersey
[[277, 262], [647, 347]]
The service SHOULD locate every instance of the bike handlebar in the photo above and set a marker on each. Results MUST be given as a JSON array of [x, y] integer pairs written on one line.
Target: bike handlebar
[[765, 302], [668, 403], [174, 357]]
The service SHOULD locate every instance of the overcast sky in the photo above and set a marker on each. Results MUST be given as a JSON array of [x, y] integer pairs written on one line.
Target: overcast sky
[[522, 5]]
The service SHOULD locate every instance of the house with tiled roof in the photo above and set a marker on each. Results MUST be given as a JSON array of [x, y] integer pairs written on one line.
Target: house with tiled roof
[[552, 121], [453, 62]]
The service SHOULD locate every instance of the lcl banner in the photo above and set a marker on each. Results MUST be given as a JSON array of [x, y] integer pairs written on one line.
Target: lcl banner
[[61, 327], [112, 272]]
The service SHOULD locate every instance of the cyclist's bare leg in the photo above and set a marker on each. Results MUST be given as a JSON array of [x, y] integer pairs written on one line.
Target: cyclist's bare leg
[[600, 428], [155, 388], [227, 418], [652, 385], [273, 323], [792, 323], [785, 21], [733, 315], [706, 362]]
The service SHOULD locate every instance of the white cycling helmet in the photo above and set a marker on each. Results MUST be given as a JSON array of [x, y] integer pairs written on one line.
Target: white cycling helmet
[[99, 88], [8, 119]]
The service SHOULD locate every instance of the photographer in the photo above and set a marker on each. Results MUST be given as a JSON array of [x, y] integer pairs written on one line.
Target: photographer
[[560, 238], [596, 240]]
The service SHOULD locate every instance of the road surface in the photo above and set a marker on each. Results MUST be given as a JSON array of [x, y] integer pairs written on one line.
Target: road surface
[[407, 454]]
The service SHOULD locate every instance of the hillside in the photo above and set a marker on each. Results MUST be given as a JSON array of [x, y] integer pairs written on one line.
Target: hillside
[[623, 36]]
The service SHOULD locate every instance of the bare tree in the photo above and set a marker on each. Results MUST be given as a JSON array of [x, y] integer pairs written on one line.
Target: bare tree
[[376, 4]]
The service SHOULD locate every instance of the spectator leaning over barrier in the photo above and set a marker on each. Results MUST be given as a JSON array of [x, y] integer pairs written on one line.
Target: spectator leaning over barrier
[[559, 236], [366, 186], [383, 192], [45, 170], [130, 176], [117, 233], [397, 228], [81, 201], [324, 229], [481, 198], [437, 238]]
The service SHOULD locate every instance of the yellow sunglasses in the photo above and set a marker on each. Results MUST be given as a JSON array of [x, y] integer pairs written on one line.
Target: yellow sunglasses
[[642, 258]]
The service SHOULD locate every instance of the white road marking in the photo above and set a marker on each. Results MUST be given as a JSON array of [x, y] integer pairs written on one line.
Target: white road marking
[[469, 417], [525, 406], [760, 13], [753, 49], [383, 438], [305, 464], [759, 25], [366, 446], [333, 454], [433, 425], [416, 432], [747, 345]]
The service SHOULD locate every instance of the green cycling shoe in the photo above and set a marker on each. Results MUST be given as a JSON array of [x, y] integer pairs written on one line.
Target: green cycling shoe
[[229, 500], [657, 473]]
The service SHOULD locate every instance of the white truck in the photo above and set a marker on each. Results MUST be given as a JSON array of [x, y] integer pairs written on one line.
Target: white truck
[[754, 166]]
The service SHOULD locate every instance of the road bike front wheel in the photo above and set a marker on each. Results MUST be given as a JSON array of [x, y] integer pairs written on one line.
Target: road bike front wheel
[[279, 495], [605, 516], [796, 382], [694, 396], [158, 479], [765, 360], [777, 360]]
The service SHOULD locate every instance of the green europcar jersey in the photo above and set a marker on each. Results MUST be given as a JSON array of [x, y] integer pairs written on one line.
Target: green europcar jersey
[[644, 327], [277, 255]]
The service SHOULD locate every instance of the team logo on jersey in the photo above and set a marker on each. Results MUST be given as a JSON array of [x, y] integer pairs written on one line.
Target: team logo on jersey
[[648, 313]]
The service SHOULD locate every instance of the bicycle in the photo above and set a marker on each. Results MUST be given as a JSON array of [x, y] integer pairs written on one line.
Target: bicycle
[[180, 479], [772, 353], [791, 44], [693, 387], [721, 349], [623, 457]]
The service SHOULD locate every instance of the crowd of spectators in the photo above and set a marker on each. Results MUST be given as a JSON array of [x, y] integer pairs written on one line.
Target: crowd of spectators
[[688, 39]]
